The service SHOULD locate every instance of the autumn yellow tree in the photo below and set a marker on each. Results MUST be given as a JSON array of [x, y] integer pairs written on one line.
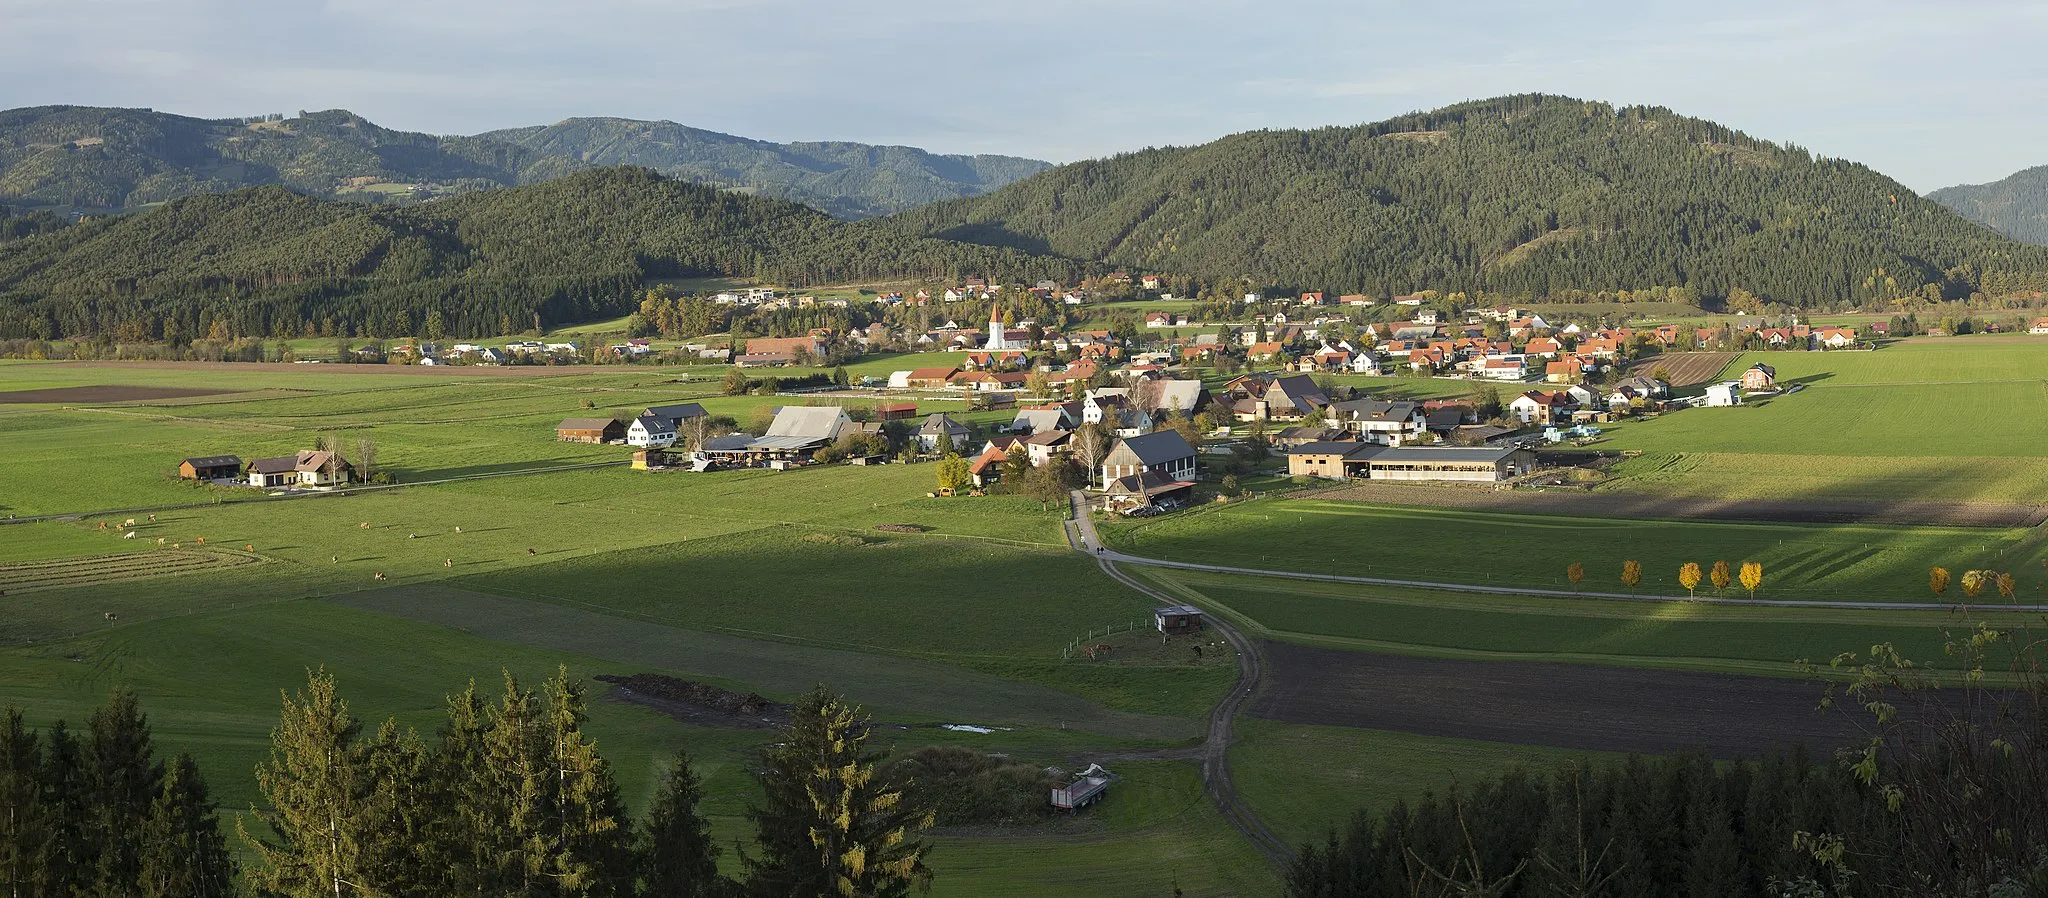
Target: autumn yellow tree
[[2006, 585], [1752, 577], [1575, 573], [1631, 573], [1973, 583], [1937, 580], [1689, 577], [1720, 576]]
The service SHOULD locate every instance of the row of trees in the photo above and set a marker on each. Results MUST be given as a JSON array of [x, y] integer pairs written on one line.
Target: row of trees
[[1947, 796], [1751, 575], [1973, 582], [512, 798]]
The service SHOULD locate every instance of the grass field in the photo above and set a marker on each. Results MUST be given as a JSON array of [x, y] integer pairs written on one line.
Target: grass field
[[1728, 639], [1955, 420], [1800, 561]]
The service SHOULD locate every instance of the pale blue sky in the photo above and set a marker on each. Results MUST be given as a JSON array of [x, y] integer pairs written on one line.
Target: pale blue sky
[[1930, 93]]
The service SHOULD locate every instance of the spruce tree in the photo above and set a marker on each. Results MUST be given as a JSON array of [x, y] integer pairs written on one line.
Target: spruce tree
[[399, 815], [67, 861], [123, 778], [464, 788], [513, 787], [24, 836], [592, 855], [183, 854], [831, 827], [678, 859], [314, 789]]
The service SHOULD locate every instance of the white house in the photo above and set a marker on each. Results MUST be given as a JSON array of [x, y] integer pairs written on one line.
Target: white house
[[1724, 394], [651, 432]]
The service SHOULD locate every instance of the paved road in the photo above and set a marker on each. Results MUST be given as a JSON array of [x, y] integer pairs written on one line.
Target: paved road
[[1214, 751]]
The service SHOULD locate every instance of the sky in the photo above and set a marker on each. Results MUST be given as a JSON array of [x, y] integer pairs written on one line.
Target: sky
[[1931, 94]]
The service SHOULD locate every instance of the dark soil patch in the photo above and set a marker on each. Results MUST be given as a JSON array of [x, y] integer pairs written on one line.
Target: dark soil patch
[[1635, 505], [102, 394], [699, 703], [1588, 708], [902, 528], [1684, 369]]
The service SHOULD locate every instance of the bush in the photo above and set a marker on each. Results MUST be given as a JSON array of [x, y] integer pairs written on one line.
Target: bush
[[970, 788]]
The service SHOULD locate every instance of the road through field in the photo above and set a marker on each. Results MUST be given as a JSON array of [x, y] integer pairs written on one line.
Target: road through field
[[1215, 748]]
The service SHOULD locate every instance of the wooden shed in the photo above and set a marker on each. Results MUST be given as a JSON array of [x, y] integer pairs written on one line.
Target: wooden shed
[[211, 467], [590, 430], [896, 411], [1177, 619]]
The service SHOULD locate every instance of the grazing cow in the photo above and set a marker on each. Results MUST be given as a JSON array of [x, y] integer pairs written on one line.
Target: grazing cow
[[412, 536], [380, 575], [159, 540], [202, 540], [129, 535], [109, 615], [458, 528], [531, 552], [102, 526], [128, 523], [365, 525], [447, 562], [152, 519], [249, 548]]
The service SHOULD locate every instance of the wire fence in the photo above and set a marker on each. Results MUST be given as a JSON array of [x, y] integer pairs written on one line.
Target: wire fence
[[1083, 645]]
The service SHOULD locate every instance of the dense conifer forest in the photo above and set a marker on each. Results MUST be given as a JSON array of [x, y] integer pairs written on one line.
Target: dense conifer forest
[[2016, 206], [267, 262], [1527, 195]]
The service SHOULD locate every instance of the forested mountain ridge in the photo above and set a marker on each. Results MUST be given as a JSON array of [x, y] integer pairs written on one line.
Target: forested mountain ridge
[[2016, 206], [849, 180], [93, 158], [268, 262], [1531, 195]]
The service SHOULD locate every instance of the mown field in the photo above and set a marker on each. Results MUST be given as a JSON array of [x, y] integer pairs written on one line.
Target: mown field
[[1800, 561], [1933, 420]]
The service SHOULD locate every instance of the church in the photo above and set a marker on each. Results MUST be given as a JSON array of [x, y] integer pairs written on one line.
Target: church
[[998, 339]]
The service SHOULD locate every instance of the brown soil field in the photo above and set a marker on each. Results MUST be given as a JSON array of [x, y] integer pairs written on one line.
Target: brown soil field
[[1634, 505], [102, 394], [1587, 708], [1684, 369]]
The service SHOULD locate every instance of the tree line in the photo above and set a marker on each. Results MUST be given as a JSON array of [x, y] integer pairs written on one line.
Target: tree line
[[1946, 796], [509, 798]]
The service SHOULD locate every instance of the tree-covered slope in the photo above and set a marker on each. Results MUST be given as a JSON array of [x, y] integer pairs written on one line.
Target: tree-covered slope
[[2016, 206], [849, 180], [270, 262], [97, 159], [1533, 195]]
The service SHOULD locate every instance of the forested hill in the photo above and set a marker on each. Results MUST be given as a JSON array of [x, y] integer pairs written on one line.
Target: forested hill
[[103, 159], [2016, 206], [269, 262], [849, 180], [1532, 195]]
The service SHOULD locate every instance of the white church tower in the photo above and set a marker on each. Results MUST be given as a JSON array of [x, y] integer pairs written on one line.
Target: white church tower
[[998, 340]]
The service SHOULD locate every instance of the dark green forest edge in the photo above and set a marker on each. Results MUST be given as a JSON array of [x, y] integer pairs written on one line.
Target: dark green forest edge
[[2016, 206], [1519, 198], [99, 159]]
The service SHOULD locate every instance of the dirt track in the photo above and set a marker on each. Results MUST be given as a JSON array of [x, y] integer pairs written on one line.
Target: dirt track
[[1560, 705], [1634, 505], [98, 394]]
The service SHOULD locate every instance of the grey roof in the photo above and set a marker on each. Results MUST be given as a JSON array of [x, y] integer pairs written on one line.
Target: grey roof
[[655, 424], [1176, 394], [585, 424], [733, 443], [938, 422], [681, 411], [818, 422], [1183, 610], [286, 465], [1158, 447], [788, 442], [1375, 409], [1037, 419], [215, 461], [1348, 449], [1148, 484], [1408, 454]]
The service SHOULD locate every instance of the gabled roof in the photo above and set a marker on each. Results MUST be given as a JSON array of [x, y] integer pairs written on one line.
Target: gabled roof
[[939, 422], [585, 424], [818, 422], [284, 465], [1345, 448], [655, 424], [1374, 410], [1052, 437], [1148, 484], [681, 411], [214, 461], [1158, 447]]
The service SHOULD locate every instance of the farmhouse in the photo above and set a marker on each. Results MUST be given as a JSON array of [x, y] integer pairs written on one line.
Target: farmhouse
[[211, 467], [651, 432], [590, 430], [1760, 378], [929, 378], [1380, 421], [1538, 407], [677, 414], [310, 468], [1164, 453], [939, 427], [796, 432]]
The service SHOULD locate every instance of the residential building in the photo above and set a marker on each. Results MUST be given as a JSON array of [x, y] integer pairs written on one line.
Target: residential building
[[651, 432], [939, 431], [1379, 421], [1164, 453], [1760, 378]]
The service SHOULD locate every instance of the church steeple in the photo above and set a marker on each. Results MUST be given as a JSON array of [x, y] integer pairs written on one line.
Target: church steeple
[[997, 339]]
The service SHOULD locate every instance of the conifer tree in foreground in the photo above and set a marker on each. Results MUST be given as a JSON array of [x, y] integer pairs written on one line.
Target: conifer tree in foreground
[[315, 796], [678, 859], [183, 854], [830, 827]]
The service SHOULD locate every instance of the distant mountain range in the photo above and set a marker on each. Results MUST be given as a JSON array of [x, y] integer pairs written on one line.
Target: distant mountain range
[[2016, 206], [105, 159], [1527, 195]]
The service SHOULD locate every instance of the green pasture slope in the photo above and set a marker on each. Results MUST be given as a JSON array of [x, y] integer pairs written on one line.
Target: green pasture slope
[[1800, 561], [1932, 420]]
